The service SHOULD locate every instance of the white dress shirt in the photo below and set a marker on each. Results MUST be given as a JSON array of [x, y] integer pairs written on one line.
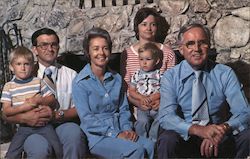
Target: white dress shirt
[[62, 77]]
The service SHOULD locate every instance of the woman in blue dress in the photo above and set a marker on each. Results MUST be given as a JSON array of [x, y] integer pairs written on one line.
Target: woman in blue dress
[[102, 104]]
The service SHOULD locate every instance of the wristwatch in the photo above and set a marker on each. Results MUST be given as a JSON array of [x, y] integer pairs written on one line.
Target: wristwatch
[[226, 126], [61, 114]]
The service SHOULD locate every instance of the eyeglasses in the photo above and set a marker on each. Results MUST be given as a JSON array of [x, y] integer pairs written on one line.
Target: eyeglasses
[[200, 43], [44, 45]]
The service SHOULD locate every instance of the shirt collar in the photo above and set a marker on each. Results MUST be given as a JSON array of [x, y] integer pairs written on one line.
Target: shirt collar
[[147, 72], [87, 73], [187, 70], [23, 81], [42, 69]]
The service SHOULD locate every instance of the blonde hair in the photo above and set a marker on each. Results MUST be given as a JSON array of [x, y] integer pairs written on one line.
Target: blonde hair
[[21, 51]]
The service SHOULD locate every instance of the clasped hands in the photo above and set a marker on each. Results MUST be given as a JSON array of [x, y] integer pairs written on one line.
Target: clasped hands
[[212, 136], [37, 115], [147, 102]]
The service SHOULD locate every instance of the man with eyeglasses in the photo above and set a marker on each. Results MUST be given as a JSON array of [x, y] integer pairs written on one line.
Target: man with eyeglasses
[[193, 96], [45, 43]]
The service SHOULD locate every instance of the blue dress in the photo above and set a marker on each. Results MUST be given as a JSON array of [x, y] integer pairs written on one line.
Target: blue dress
[[104, 112]]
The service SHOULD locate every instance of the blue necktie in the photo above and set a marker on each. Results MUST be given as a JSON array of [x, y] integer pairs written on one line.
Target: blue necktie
[[48, 80], [48, 73], [199, 102]]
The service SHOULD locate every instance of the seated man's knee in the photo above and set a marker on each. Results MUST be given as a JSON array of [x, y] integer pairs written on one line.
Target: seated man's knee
[[74, 134], [168, 137], [36, 146], [74, 141], [242, 143], [167, 144], [246, 135]]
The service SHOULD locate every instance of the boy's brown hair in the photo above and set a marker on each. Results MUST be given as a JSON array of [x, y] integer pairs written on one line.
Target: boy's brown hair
[[152, 48]]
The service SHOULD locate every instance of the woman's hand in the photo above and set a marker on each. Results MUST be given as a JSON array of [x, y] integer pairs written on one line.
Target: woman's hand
[[128, 135]]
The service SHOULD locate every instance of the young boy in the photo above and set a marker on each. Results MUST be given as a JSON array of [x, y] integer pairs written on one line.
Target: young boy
[[23, 93], [144, 83]]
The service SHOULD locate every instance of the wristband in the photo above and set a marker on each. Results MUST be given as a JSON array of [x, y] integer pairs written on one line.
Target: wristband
[[61, 115]]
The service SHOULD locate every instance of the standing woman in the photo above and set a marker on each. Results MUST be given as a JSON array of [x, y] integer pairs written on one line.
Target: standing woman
[[102, 105], [146, 24]]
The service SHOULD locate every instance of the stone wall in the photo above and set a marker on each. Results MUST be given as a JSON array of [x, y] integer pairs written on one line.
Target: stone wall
[[228, 20]]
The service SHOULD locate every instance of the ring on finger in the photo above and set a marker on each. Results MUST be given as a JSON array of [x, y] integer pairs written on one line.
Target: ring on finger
[[211, 146]]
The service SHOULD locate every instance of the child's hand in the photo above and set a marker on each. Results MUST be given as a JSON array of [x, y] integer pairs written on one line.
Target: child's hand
[[34, 101], [31, 102], [27, 106]]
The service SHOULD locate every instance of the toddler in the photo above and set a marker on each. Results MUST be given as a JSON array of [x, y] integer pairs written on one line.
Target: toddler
[[144, 84]]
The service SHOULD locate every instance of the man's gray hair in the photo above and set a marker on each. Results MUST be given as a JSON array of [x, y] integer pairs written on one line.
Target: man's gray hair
[[187, 27]]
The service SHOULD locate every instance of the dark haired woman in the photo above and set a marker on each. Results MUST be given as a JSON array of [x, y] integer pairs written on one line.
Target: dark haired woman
[[146, 27]]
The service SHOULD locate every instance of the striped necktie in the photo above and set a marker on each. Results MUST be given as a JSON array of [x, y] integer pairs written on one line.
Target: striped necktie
[[199, 101], [48, 73], [48, 80]]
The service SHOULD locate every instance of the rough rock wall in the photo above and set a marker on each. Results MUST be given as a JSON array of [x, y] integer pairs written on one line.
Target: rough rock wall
[[228, 20]]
